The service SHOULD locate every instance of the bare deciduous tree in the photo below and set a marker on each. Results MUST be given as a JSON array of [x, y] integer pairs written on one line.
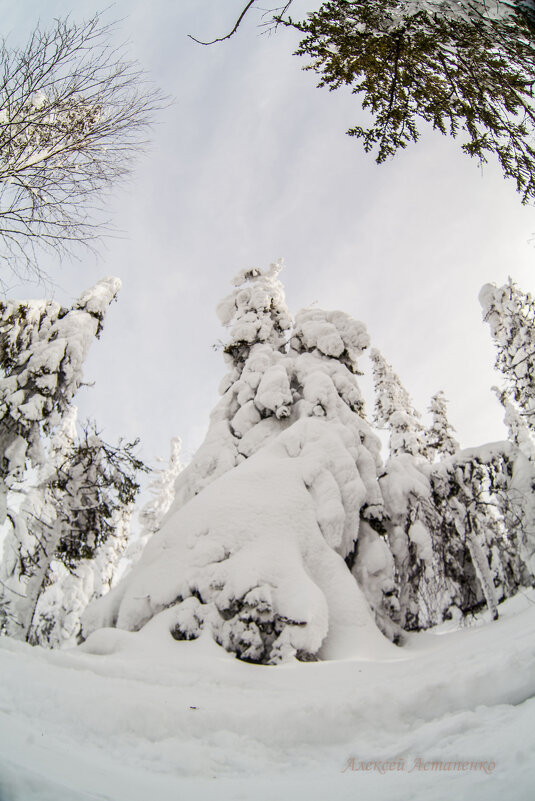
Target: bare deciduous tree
[[73, 114]]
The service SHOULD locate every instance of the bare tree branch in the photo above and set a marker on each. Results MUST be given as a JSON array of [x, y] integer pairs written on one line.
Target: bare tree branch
[[233, 31], [276, 19]]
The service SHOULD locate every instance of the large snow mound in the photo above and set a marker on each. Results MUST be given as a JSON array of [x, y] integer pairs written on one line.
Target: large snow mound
[[258, 557]]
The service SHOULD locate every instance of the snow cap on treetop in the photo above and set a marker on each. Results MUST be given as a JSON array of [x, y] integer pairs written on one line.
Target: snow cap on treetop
[[486, 295], [96, 300], [256, 308], [332, 333], [492, 297]]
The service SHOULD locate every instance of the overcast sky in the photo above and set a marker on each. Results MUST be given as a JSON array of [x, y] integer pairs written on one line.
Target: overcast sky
[[251, 163]]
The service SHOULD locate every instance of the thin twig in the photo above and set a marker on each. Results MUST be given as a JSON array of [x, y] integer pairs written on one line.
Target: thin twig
[[233, 31]]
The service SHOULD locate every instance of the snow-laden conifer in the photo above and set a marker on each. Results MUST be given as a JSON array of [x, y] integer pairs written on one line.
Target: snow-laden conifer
[[162, 489], [510, 314], [92, 491], [68, 504], [42, 348], [254, 548], [394, 410], [440, 439]]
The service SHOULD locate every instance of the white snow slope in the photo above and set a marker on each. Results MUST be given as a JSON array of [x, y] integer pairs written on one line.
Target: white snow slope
[[150, 719]]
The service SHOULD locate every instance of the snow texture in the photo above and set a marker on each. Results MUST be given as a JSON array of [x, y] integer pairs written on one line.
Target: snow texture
[[269, 576], [133, 716]]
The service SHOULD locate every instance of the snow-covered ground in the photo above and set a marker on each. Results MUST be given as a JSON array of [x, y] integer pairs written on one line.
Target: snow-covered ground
[[143, 717]]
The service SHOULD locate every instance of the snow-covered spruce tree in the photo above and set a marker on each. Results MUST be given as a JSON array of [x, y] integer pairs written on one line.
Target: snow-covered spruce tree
[[405, 487], [91, 487], [443, 525], [162, 488], [287, 533], [510, 314], [394, 410], [257, 545], [439, 435], [42, 348], [480, 533]]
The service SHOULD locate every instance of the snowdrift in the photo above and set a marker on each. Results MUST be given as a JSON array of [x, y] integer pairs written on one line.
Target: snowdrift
[[131, 716]]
